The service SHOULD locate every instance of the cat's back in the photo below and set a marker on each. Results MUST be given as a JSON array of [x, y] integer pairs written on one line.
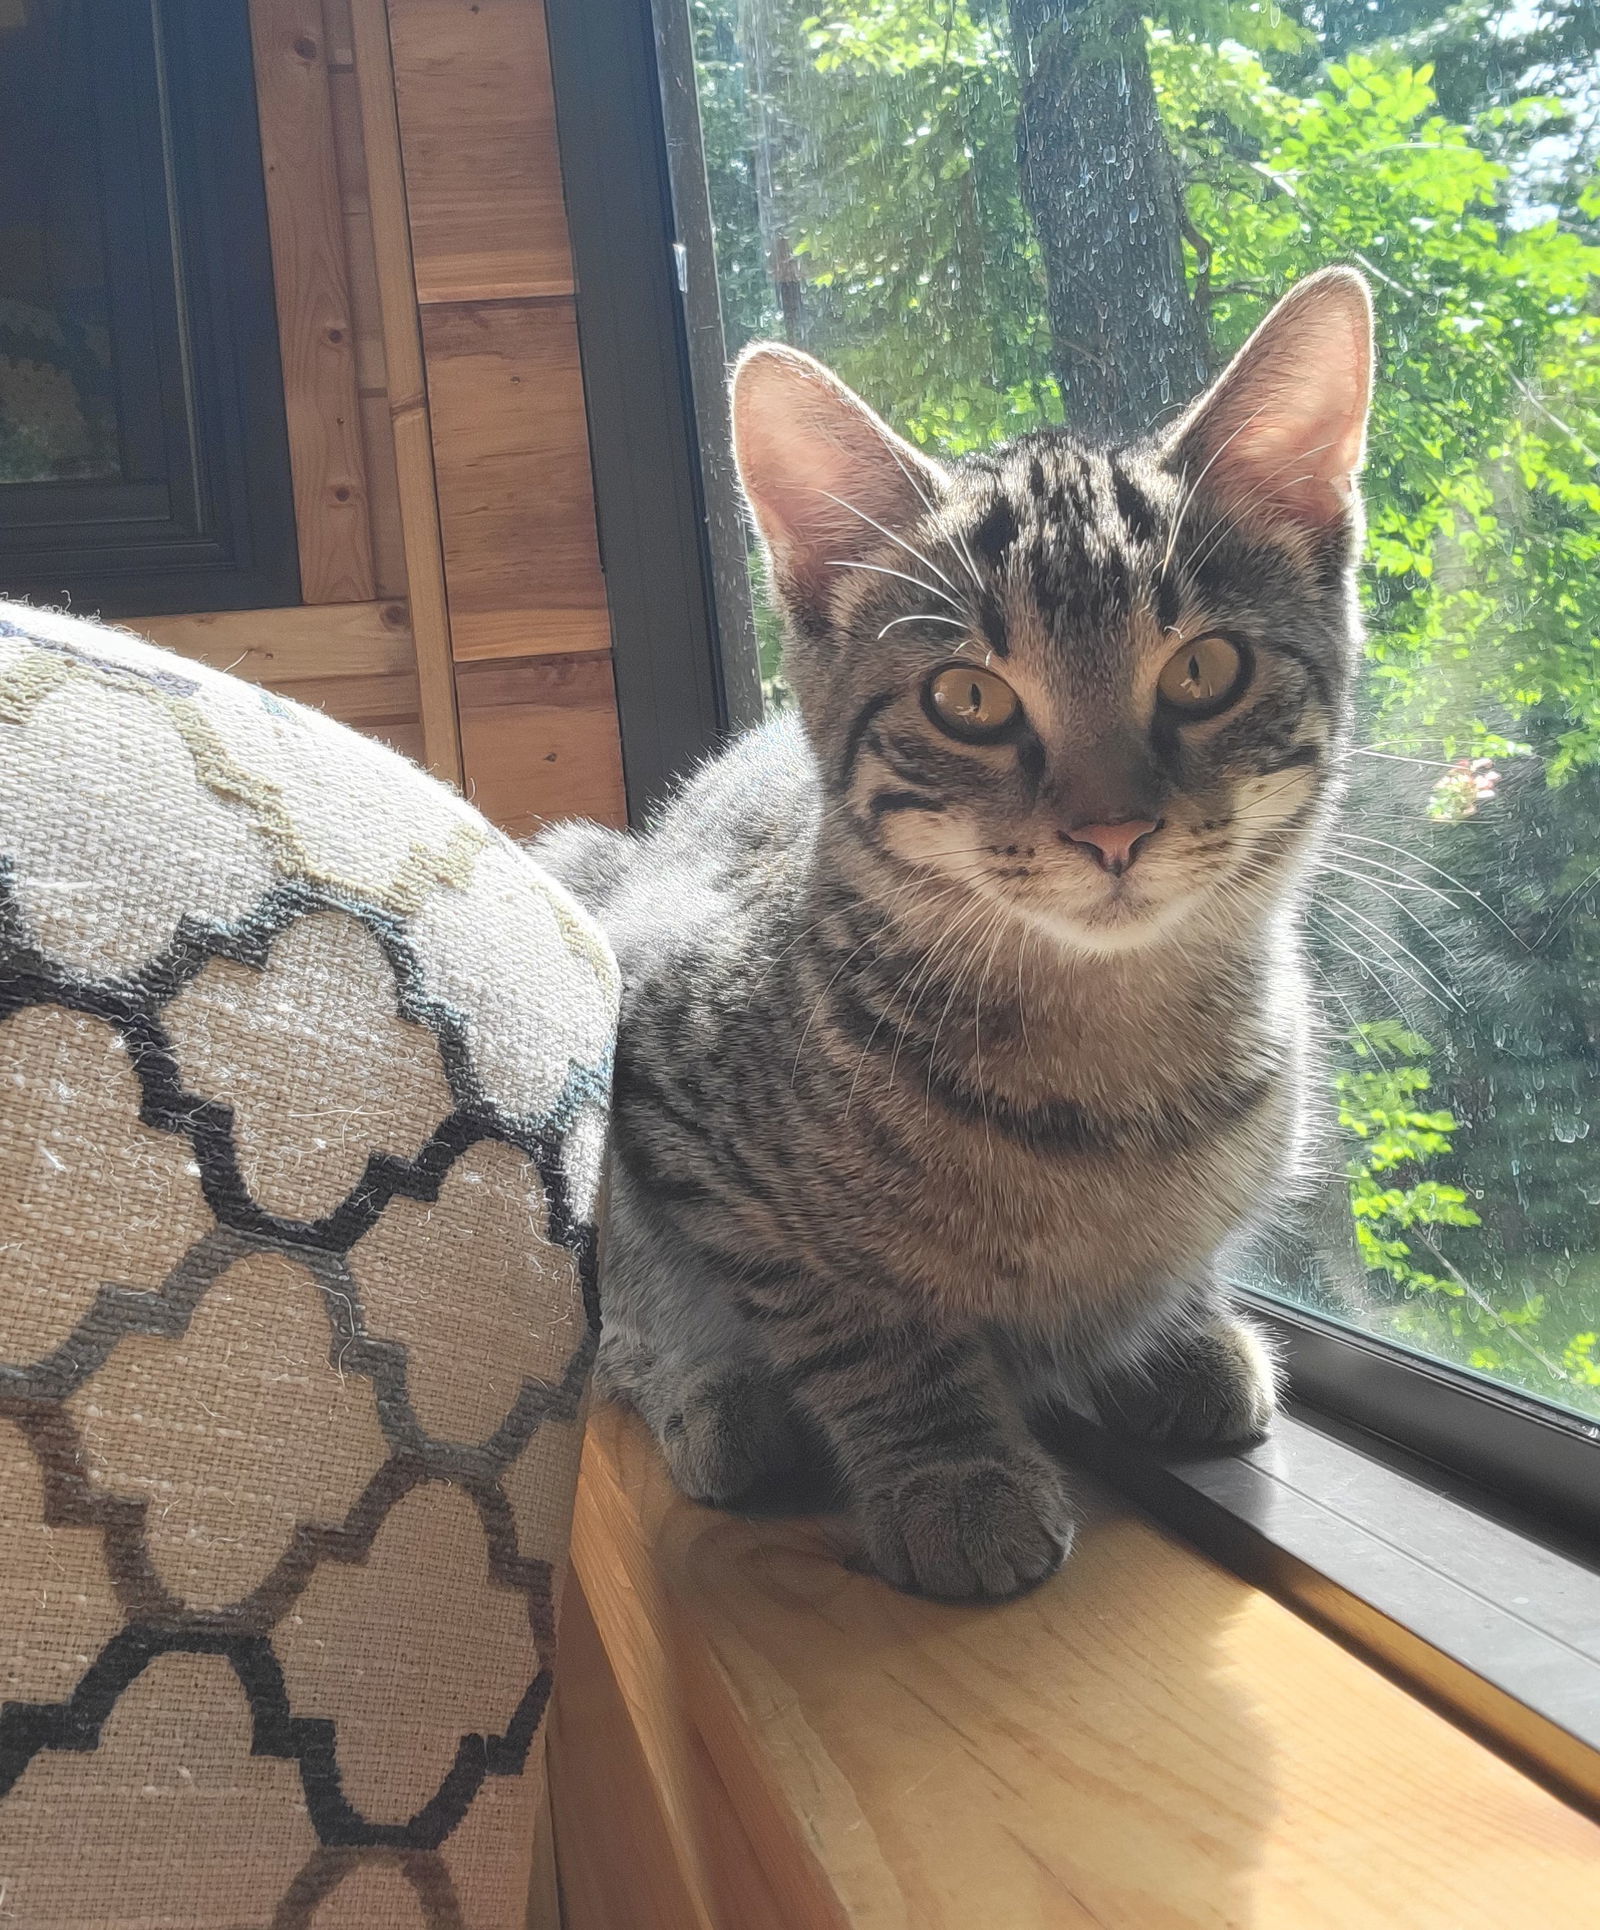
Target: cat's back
[[721, 860]]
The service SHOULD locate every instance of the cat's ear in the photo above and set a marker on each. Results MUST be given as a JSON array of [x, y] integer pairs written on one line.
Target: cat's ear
[[1279, 437], [825, 477]]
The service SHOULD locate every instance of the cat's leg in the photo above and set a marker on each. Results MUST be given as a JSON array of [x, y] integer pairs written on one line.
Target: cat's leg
[[1204, 1378], [955, 1498], [724, 1424], [675, 1348]]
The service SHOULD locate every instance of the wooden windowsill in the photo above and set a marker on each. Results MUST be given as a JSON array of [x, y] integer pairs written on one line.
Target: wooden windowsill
[[749, 1736]]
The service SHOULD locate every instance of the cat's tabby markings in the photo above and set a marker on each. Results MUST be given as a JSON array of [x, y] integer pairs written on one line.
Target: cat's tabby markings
[[964, 1018]]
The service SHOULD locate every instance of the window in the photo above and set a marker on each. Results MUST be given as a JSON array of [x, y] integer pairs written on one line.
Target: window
[[143, 458], [994, 214]]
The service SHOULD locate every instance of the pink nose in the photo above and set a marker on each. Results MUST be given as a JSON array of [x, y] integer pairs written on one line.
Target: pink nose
[[1115, 846]]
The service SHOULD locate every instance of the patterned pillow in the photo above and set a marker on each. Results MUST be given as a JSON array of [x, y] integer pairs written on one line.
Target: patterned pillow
[[303, 1084]]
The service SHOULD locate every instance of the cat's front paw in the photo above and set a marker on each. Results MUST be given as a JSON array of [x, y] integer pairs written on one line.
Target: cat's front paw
[[725, 1431], [970, 1530], [1217, 1388]]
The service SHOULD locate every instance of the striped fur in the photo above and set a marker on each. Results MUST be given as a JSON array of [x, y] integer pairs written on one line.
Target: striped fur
[[923, 1120]]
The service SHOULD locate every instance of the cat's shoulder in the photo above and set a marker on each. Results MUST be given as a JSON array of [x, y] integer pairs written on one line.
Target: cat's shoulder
[[760, 792]]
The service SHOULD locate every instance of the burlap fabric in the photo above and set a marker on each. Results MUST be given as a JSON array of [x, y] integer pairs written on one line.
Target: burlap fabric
[[303, 1076]]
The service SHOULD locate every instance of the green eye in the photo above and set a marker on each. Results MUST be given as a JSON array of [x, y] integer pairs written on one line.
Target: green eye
[[970, 703], [1202, 677]]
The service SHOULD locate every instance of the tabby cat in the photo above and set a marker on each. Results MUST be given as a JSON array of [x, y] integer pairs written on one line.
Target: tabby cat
[[965, 1018]]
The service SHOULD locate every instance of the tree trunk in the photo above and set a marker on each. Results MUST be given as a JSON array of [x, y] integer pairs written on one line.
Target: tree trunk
[[1101, 190]]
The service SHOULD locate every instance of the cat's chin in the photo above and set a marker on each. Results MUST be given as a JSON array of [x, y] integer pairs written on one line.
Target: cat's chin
[[1112, 928]]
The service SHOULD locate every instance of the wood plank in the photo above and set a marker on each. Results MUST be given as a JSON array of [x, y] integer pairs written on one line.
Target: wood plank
[[366, 320], [301, 645], [315, 333], [383, 496], [477, 115], [402, 735], [336, 34], [366, 317], [1147, 1743], [602, 1793], [353, 660], [366, 306], [544, 1888], [516, 494], [407, 394], [539, 741], [361, 254]]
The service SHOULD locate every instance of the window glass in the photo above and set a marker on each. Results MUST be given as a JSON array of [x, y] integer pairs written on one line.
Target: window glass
[[58, 418], [994, 214], [144, 463]]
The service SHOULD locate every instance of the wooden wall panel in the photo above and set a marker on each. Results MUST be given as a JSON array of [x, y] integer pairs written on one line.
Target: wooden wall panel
[[420, 220], [354, 660], [529, 627], [336, 34], [386, 191], [383, 496], [316, 336], [539, 741], [516, 500], [366, 308], [472, 81]]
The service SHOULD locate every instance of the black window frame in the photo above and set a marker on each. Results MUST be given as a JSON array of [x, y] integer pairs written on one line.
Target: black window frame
[[672, 528], [204, 518]]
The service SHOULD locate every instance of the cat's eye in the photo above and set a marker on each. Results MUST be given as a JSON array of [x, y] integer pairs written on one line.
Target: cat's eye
[[969, 702], [1202, 677]]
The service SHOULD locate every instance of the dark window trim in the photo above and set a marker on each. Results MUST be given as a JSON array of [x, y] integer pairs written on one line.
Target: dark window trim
[[1489, 1619], [1528, 1453], [219, 533], [649, 329], [1320, 1515]]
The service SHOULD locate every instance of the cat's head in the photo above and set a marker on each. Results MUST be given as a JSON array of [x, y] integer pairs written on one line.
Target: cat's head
[[1104, 686]]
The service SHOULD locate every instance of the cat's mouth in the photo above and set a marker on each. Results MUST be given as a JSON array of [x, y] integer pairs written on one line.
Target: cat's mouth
[[1123, 915]]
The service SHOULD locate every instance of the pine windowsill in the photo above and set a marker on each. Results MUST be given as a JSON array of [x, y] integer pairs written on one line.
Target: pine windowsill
[[748, 1736]]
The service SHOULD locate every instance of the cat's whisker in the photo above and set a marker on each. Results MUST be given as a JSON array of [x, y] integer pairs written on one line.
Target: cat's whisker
[[1029, 935], [933, 1049], [1449, 877], [1394, 757], [1394, 871], [937, 957], [1253, 812], [957, 540], [1559, 916], [900, 542], [1219, 531], [998, 931], [811, 926], [1385, 891], [927, 963], [1446, 994], [882, 569], [1333, 991], [1264, 488], [1192, 490], [919, 616], [1358, 959], [821, 998]]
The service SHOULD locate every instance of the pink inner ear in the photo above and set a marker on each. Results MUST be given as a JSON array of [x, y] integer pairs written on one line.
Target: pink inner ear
[[1281, 435], [820, 469]]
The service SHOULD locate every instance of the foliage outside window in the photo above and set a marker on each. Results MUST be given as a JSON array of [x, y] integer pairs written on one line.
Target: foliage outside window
[[995, 214]]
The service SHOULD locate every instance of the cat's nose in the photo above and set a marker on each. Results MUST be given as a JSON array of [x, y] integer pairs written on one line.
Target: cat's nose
[[1114, 846]]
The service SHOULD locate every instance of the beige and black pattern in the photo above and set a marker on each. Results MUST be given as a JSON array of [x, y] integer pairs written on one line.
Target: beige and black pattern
[[303, 1081]]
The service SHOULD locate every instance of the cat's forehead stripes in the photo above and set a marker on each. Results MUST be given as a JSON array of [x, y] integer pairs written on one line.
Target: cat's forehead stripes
[[1067, 541]]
